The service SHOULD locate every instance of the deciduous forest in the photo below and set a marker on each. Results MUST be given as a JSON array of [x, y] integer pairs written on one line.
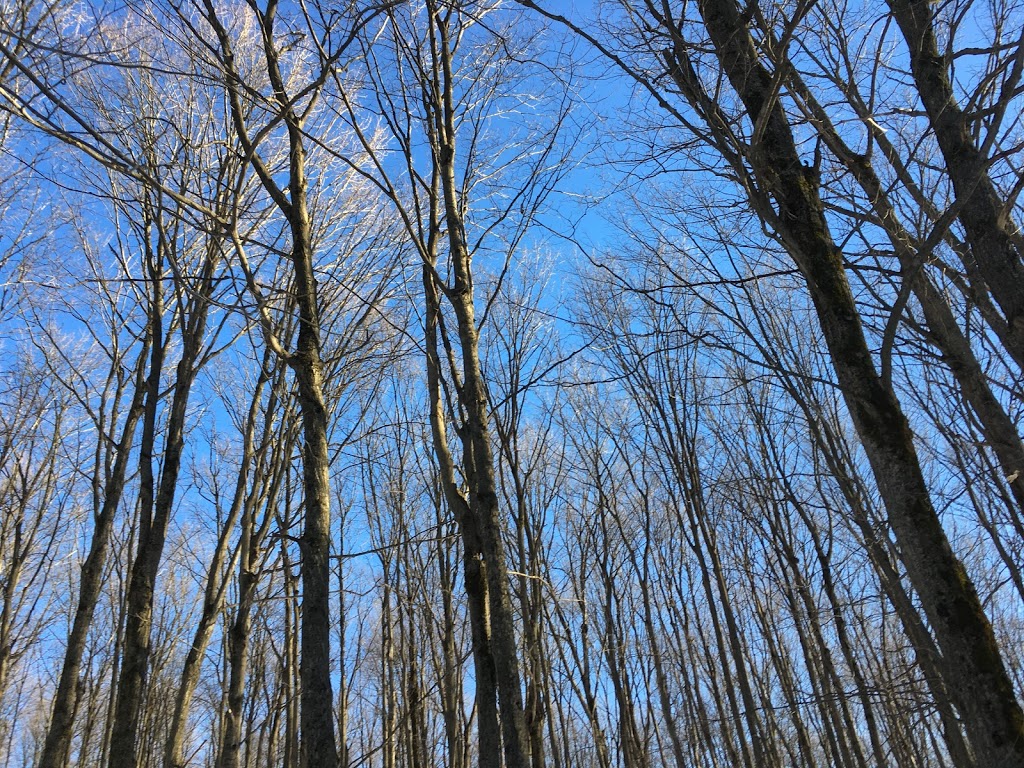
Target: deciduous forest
[[511, 384]]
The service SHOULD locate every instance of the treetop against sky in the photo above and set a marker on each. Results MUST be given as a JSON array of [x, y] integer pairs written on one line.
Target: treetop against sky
[[511, 384]]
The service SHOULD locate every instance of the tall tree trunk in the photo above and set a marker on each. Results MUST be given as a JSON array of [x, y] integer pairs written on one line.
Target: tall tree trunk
[[488, 728], [131, 688], [57, 746], [827, 440], [944, 331], [155, 509], [972, 663], [450, 685], [997, 248], [483, 506], [244, 502], [131, 681], [318, 747]]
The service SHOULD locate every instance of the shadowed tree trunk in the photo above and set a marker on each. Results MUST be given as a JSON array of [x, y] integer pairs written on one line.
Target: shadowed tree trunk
[[944, 332], [971, 660], [256, 486], [996, 259], [317, 742]]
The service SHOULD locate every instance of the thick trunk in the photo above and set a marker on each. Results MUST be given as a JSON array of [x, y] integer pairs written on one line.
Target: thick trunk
[[488, 728], [238, 656], [478, 597], [317, 744], [139, 597], [999, 430], [484, 509], [155, 510], [479, 456], [318, 748], [972, 664], [996, 249], [838, 463]]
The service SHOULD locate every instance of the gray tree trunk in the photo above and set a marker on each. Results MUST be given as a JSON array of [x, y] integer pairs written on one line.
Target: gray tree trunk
[[971, 663]]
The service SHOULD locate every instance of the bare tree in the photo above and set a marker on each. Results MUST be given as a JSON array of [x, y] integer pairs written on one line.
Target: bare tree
[[37, 505], [277, 106], [436, 87], [971, 143], [756, 138]]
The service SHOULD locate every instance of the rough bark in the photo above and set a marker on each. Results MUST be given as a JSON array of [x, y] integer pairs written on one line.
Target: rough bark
[[971, 661], [139, 597], [318, 748], [997, 254], [317, 743], [488, 728], [238, 656], [476, 434], [477, 510], [826, 438], [943, 329]]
